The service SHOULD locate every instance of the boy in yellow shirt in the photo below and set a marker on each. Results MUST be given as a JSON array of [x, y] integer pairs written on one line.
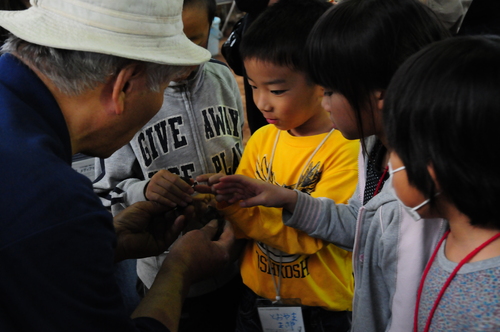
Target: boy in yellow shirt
[[299, 149]]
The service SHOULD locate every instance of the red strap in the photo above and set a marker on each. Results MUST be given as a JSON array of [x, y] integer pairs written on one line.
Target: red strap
[[381, 181], [448, 281]]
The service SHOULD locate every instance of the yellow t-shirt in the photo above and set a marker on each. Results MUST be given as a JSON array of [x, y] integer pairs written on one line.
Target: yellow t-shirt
[[317, 272]]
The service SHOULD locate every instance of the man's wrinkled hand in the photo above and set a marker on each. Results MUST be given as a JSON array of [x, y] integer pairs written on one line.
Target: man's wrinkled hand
[[147, 229], [198, 256]]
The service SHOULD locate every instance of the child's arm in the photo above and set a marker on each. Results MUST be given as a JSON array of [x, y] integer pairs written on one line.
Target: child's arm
[[262, 220], [117, 179], [262, 223], [324, 219], [319, 217], [120, 183]]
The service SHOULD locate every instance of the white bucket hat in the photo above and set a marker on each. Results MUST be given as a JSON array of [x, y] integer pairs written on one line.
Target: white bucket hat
[[146, 30]]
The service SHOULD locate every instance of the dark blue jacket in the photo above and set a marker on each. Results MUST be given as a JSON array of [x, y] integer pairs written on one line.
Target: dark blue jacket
[[57, 241]]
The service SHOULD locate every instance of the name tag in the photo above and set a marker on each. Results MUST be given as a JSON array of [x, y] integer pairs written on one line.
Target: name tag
[[281, 318]]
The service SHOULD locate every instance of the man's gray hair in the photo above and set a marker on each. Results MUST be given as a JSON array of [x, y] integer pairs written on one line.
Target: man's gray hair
[[74, 72]]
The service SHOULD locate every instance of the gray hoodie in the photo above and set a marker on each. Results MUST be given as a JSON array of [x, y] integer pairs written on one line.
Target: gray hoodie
[[390, 250], [198, 130]]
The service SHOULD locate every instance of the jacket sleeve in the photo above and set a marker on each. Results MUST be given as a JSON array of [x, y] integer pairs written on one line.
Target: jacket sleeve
[[324, 219], [119, 181]]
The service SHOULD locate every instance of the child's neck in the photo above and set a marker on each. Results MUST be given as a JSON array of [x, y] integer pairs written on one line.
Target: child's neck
[[464, 238], [314, 126]]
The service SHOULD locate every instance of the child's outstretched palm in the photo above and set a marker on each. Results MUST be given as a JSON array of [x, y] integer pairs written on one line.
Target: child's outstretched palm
[[253, 192]]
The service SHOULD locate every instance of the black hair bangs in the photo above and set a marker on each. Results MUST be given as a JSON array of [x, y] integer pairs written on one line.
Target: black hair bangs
[[442, 110], [279, 34]]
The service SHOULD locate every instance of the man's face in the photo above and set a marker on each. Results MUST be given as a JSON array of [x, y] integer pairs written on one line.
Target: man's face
[[140, 106]]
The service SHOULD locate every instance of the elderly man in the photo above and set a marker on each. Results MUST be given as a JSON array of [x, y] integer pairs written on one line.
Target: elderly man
[[84, 76]]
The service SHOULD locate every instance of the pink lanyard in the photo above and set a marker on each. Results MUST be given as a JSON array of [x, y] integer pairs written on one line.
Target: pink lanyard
[[448, 281]]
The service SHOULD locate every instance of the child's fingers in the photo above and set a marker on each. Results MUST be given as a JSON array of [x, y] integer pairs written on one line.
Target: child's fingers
[[250, 202], [227, 198], [167, 194], [230, 187], [210, 178], [202, 188], [203, 177]]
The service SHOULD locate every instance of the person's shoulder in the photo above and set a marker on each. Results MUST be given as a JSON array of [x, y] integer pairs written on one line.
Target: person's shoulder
[[216, 66], [266, 130], [385, 215], [339, 140], [338, 151], [264, 133], [385, 203], [213, 61], [219, 71], [370, 142]]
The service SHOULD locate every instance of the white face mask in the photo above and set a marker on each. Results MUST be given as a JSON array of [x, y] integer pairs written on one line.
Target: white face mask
[[411, 211]]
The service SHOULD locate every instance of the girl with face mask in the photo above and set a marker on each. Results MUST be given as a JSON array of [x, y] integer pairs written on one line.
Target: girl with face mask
[[441, 109]]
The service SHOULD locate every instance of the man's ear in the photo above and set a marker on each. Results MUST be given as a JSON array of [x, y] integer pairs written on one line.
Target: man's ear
[[126, 80]]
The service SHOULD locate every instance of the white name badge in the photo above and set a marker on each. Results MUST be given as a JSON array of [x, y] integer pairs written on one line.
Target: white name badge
[[281, 319]]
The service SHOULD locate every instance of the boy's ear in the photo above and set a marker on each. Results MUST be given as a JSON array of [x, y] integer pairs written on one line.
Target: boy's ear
[[320, 91], [128, 78]]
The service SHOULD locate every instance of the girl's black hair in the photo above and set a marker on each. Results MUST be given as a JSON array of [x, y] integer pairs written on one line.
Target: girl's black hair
[[210, 5], [356, 46], [279, 34], [442, 109]]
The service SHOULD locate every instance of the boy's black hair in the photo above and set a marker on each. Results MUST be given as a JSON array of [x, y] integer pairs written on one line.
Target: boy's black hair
[[358, 45], [210, 5], [442, 109], [279, 34]]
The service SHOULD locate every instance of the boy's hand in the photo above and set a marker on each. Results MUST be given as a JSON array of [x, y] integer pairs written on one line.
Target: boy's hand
[[252, 192], [168, 189], [210, 179]]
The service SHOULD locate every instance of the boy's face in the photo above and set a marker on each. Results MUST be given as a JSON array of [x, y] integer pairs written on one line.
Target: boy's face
[[285, 97], [196, 28], [196, 25]]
